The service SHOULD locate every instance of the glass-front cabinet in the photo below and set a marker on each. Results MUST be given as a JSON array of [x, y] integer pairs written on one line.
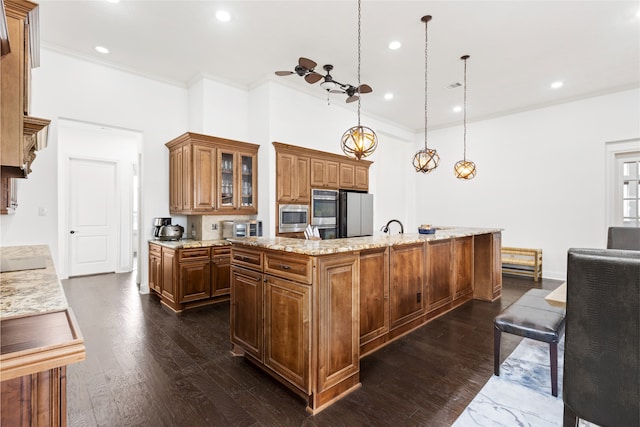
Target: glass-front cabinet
[[237, 180]]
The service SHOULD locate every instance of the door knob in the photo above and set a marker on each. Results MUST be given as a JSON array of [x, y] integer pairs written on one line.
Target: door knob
[[72, 232]]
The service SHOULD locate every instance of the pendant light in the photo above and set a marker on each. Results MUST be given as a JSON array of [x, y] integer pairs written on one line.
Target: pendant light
[[465, 169], [359, 141], [425, 160]]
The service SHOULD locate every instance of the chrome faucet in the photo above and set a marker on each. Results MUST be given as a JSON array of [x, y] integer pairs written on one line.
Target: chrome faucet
[[385, 229]]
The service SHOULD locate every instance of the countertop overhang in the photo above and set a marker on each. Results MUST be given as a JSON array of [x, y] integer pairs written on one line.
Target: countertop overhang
[[189, 243], [352, 244]]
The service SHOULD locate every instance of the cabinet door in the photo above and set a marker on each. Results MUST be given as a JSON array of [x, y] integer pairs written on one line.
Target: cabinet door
[[347, 176], [292, 178], [248, 183], [227, 173], [287, 336], [374, 294], [155, 268], [168, 280], [462, 266], [496, 242], [187, 180], [246, 310], [438, 273], [361, 178], [195, 280], [407, 279], [338, 305], [487, 268], [204, 178], [175, 180], [324, 173], [221, 272]]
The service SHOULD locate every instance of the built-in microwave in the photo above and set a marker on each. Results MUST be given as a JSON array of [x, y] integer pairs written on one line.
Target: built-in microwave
[[293, 218]]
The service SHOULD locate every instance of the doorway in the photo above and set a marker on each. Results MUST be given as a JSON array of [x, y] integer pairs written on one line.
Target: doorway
[[96, 199]]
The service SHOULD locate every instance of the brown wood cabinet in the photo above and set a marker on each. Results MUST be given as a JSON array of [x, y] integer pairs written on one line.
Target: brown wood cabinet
[[374, 295], [324, 173], [212, 176], [438, 273], [462, 267], [487, 266], [20, 134], [304, 337], [189, 277], [407, 279], [292, 178]]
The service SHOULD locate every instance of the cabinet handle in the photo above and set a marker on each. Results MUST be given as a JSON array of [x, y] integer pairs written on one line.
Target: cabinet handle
[[258, 279], [285, 267]]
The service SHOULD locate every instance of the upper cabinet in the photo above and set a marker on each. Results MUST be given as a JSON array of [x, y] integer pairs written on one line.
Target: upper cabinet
[[301, 169], [20, 134], [212, 176]]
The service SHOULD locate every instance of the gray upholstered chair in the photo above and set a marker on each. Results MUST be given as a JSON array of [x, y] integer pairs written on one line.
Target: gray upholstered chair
[[627, 238], [601, 381]]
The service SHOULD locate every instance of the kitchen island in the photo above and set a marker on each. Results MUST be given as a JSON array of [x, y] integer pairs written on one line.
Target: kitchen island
[[39, 338], [306, 311]]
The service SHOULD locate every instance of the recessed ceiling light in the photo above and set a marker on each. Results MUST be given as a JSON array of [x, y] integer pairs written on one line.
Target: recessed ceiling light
[[223, 16], [457, 109], [102, 49], [394, 45], [556, 85], [388, 96]]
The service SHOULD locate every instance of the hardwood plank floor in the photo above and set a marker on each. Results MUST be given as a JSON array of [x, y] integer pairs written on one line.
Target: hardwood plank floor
[[147, 366]]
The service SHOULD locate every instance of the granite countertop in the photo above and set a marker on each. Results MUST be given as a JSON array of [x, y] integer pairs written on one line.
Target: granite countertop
[[332, 246], [189, 243], [30, 292]]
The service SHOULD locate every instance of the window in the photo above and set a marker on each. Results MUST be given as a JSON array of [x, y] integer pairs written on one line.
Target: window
[[623, 183], [629, 170]]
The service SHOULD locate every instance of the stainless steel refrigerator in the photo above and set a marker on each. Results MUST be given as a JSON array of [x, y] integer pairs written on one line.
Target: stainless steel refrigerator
[[355, 214]]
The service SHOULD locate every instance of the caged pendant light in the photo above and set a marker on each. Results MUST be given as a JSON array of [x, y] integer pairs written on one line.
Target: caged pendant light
[[425, 160], [359, 141], [465, 169]]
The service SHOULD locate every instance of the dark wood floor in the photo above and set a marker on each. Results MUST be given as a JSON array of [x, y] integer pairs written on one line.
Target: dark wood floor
[[147, 366]]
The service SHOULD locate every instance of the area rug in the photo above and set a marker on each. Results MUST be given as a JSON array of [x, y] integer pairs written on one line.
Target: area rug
[[521, 395]]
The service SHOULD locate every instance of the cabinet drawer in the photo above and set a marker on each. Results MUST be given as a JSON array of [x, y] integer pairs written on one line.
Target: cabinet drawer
[[247, 257], [288, 266], [218, 255], [155, 249], [193, 254]]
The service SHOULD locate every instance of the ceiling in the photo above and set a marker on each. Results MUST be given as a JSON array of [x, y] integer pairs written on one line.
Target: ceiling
[[517, 48]]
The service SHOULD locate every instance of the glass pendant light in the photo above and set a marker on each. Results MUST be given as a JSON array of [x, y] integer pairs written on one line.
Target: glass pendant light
[[359, 141], [465, 169], [425, 160]]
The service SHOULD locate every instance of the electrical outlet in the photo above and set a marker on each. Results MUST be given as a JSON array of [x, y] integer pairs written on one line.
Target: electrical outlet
[[214, 226]]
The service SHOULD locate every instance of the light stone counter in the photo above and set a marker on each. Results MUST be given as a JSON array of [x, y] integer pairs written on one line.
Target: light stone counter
[[188, 243], [332, 246], [30, 292]]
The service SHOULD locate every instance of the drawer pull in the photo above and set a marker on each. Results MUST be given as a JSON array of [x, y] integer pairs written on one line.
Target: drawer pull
[[258, 279], [285, 267]]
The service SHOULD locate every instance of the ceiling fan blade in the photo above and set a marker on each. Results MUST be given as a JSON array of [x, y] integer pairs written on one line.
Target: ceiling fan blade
[[352, 98], [312, 78], [307, 63], [364, 88], [283, 73]]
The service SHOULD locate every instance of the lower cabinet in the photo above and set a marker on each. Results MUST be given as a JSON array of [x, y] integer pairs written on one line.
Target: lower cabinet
[[462, 267], [406, 283], [246, 310], [374, 295], [487, 266], [38, 399], [438, 273], [189, 277]]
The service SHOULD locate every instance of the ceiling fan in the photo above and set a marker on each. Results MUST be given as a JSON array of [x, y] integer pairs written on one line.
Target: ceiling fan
[[306, 69]]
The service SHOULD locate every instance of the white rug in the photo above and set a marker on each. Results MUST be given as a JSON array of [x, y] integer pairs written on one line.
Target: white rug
[[521, 395]]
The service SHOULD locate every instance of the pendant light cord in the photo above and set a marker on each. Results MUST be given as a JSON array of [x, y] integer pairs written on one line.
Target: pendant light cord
[[426, 39], [359, 42], [464, 137]]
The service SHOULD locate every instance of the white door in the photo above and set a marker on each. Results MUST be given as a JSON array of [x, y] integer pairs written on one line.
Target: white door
[[92, 228]]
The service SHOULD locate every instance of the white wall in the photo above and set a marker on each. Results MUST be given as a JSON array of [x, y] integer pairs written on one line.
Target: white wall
[[541, 175], [66, 87]]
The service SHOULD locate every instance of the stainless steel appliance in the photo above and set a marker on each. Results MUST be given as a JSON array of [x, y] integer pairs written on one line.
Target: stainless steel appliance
[[355, 214], [324, 212], [158, 223], [246, 228], [293, 218], [170, 232]]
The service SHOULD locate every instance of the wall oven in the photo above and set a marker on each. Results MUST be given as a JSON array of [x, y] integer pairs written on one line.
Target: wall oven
[[293, 218], [324, 208]]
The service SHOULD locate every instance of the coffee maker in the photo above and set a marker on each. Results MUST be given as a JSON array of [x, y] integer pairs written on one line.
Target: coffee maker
[[158, 223]]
